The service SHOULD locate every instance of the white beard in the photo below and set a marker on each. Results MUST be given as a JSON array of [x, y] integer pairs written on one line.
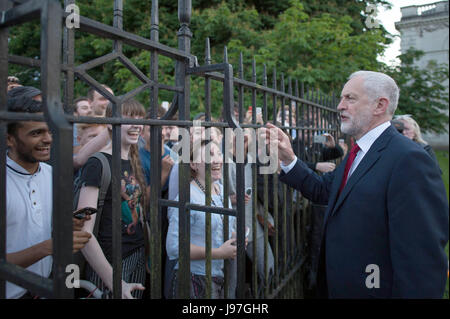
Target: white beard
[[357, 124]]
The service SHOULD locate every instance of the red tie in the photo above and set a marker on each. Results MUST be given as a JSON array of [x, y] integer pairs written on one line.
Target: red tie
[[350, 160]]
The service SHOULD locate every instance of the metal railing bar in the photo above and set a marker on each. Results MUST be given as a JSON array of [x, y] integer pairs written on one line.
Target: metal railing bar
[[50, 51], [96, 62], [106, 31], [135, 92], [251, 85], [21, 60], [28, 280], [286, 280], [68, 60], [98, 87], [212, 209], [22, 13], [135, 70]]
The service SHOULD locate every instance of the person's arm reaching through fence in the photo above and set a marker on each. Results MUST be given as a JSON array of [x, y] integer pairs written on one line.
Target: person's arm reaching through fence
[[33, 254], [94, 253], [91, 147]]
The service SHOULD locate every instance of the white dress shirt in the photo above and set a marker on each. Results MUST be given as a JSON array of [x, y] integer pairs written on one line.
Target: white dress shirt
[[364, 144], [28, 215]]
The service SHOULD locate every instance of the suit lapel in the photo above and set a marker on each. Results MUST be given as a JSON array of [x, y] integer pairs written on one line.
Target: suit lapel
[[364, 166], [368, 161], [339, 175]]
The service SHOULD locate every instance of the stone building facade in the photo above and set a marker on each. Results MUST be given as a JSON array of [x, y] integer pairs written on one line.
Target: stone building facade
[[426, 28]]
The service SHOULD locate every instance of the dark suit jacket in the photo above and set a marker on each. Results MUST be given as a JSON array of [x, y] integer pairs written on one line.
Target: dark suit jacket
[[392, 213]]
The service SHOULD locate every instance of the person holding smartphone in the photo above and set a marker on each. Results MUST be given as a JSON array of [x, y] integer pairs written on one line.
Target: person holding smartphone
[[29, 193], [98, 252]]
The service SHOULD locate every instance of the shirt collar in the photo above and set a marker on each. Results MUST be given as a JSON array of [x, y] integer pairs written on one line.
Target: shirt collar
[[17, 168], [370, 137]]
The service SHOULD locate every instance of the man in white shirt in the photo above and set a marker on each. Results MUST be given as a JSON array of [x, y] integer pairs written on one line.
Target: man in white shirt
[[29, 196], [386, 224]]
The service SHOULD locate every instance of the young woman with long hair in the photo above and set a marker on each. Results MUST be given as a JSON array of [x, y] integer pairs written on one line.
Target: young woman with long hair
[[220, 249], [98, 252]]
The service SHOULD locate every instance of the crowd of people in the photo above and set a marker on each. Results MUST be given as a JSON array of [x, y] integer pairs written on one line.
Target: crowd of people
[[29, 181]]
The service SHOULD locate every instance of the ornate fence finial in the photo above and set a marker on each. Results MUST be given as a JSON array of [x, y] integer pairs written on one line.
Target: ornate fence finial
[[184, 16], [118, 14]]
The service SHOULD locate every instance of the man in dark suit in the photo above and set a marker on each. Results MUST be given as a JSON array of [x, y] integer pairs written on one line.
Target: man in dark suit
[[386, 225]]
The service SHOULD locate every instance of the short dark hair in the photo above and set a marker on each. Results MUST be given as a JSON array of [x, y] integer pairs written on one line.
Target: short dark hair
[[22, 101], [75, 102]]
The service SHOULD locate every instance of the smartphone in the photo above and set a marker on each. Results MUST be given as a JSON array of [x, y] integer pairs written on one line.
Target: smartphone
[[248, 191], [319, 139], [83, 212]]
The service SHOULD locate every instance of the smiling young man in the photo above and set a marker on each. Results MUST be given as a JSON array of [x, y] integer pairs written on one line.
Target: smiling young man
[[386, 224], [29, 195]]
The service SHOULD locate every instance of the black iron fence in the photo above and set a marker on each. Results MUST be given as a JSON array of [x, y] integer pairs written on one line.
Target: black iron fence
[[312, 113]]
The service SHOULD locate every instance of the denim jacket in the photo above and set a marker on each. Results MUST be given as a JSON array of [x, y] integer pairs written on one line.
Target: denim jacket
[[198, 231]]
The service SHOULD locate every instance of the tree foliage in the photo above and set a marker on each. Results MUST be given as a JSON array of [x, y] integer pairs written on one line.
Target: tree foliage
[[422, 91], [317, 42], [321, 50]]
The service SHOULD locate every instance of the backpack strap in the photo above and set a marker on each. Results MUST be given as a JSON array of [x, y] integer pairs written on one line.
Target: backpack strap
[[105, 181]]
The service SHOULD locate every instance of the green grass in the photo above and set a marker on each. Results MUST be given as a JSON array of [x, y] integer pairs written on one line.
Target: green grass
[[442, 157]]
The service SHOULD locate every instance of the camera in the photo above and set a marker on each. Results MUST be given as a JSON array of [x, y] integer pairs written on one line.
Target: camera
[[248, 191]]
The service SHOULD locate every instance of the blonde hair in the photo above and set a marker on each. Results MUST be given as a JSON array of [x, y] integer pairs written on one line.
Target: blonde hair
[[416, 128]]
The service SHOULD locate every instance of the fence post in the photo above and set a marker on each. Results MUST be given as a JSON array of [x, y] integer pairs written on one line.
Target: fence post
[[182, 79]]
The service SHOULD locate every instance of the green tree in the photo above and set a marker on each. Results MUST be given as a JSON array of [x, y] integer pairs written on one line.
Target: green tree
[[318, 42], [422, 91], [321, 50]]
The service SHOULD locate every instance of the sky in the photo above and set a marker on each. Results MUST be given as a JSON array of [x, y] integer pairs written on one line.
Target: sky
[[388, 19]]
